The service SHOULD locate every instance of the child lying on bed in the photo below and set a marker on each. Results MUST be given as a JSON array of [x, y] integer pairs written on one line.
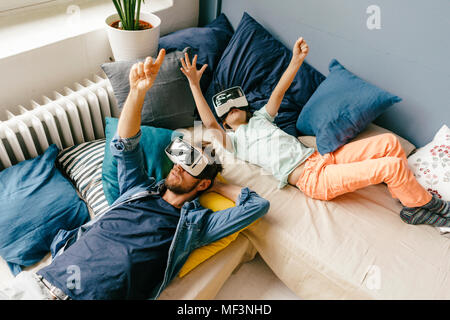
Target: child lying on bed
[[353, 166]]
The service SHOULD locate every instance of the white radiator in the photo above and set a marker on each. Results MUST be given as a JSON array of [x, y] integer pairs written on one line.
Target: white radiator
[[74, 116]]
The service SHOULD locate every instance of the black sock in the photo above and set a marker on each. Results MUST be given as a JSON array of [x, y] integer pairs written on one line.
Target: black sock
[[436, 213], [438, 206], [421, 215]]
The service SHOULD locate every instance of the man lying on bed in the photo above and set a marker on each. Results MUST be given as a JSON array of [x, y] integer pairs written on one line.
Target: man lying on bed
[[136, 248], [256, 139]]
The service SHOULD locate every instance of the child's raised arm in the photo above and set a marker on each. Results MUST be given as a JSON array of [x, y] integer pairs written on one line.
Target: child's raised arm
[[299, 53], [208, 119]]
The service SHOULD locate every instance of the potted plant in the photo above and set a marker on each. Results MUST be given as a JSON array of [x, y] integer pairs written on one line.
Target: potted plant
[[132, 34]]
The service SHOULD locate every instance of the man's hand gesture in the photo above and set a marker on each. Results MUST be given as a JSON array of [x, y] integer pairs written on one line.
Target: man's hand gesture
[[143, 74]]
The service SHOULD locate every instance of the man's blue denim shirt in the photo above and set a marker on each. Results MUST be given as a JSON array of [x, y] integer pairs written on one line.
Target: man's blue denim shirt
[[197, 226]]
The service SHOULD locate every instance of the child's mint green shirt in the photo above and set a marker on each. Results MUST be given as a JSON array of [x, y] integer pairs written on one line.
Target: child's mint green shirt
[[262, 143]]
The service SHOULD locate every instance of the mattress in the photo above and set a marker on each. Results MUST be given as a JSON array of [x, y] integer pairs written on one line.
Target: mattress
[[205, 281], [353, 247]]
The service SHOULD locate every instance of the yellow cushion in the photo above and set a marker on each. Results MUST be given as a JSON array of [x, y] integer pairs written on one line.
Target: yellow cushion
[[215, 202]]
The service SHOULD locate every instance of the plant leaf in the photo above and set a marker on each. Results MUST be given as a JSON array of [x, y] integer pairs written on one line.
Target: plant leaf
[[126, 10], [131, 14], [119, 10], [138, 13]]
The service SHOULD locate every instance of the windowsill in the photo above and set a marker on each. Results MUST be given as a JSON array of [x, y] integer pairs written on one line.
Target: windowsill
[[33, 28]]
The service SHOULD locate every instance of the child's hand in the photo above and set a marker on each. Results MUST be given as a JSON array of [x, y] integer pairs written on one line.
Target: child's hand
[[300, 50], [143, 74], [190, 70]]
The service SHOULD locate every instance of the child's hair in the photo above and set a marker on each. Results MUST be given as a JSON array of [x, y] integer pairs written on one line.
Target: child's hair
[[248, 114]]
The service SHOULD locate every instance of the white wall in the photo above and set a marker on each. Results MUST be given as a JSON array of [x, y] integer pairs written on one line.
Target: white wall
[[40, 70]]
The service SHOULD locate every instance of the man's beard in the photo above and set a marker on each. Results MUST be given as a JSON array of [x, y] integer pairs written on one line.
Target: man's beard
[[178, 188]]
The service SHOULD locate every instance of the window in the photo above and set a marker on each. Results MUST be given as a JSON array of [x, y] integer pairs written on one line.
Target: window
[[16, 4]]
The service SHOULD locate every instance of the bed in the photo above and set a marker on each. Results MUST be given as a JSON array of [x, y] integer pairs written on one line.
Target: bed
[[353, 247]]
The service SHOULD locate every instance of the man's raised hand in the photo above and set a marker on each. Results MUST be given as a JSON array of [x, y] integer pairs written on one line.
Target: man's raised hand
[[143, 74]]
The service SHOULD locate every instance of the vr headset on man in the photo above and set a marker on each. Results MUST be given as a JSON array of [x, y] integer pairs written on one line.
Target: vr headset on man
[[194, 161]]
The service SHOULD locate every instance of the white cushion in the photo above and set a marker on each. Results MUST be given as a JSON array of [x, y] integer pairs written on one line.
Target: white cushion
[[431, 164]]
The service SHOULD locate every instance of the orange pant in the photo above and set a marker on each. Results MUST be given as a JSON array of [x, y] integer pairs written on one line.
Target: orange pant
[[359, 164]]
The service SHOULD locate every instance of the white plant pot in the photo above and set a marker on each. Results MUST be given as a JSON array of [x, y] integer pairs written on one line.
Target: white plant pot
[[135, 44]]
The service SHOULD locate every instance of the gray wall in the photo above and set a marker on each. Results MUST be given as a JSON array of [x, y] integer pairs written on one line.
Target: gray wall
[[208, 10], [408, 56]]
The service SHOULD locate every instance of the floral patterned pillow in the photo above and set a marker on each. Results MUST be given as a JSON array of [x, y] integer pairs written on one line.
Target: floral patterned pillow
[[431, 164]]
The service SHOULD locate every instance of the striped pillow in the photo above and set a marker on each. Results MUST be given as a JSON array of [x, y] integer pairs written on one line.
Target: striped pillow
[[83, 165]]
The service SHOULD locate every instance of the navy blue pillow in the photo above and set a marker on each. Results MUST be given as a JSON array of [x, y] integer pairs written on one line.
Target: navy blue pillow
[[341, 108], [36, 201], [255, 61], [207, 42]]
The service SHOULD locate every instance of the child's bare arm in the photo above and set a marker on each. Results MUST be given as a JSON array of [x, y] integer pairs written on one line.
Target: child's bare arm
[[227, 190], [299, 53], [209, 121]]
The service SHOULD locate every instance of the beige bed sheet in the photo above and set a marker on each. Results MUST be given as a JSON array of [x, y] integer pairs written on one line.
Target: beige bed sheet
[[205, 281], [353, 247]]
